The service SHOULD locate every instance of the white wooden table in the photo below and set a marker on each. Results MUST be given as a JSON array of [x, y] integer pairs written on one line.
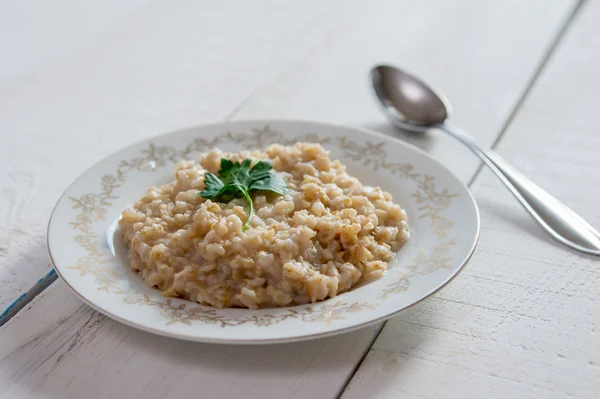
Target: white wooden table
[[81, 79]]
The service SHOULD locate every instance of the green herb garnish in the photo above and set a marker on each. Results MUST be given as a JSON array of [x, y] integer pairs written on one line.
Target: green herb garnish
[[238, 180]]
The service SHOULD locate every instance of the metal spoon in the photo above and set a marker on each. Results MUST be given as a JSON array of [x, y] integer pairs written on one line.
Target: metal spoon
[[411, 105]]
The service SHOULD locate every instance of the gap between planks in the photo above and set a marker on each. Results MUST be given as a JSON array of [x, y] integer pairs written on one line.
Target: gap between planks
[[534, 78], [503, 130]]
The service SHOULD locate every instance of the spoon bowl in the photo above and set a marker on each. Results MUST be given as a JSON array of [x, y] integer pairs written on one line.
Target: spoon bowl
[[408, 101]]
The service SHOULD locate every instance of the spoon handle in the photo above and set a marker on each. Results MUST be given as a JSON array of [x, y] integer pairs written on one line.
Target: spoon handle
[[558, 220]]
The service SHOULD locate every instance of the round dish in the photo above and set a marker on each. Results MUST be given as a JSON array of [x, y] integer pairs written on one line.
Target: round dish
[[88, 253]]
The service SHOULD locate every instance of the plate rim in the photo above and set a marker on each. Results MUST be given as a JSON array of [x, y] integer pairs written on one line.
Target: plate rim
[[298, 338]]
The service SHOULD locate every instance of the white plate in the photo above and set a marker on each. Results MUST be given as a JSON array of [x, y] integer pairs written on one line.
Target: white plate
[[87, 252]]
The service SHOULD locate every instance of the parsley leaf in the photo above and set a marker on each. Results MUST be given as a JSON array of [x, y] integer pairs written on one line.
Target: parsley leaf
[[239, 180]]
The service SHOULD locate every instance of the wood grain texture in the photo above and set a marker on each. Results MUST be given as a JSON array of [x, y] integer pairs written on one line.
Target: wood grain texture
[[59, 347], [522, 319], [157, 367]]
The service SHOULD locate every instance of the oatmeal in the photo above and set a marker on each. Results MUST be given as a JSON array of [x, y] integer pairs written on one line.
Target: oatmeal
[[326, 234]]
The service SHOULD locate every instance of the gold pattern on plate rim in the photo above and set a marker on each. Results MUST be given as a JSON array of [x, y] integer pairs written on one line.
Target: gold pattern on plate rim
[[99, 264]]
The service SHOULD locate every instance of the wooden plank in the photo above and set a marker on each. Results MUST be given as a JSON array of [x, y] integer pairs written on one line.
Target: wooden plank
[[151, 363], [481, 55], [59, 347], [155, 70], [522, 320], [35, 33]]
